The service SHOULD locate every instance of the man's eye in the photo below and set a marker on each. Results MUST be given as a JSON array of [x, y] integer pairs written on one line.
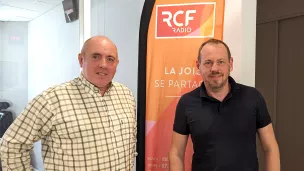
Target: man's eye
[[111, 59], [95, 56]]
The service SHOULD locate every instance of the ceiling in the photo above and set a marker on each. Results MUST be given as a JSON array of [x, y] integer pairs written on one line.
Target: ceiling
[[25, 10]]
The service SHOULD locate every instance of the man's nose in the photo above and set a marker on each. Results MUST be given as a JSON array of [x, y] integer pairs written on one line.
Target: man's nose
[[103, 63], [215, 67]]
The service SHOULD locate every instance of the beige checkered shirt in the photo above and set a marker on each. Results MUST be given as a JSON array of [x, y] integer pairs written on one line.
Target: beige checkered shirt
[[79, 129]]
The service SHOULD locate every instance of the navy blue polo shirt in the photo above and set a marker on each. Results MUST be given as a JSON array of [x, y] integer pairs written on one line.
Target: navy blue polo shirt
[[223, 133]]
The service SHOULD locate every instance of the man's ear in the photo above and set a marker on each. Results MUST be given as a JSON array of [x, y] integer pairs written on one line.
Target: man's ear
[[80, 59], [231, 63], [198, 64]]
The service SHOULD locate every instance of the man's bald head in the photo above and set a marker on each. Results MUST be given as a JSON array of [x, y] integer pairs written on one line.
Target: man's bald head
[[98, 40], [98, 60]]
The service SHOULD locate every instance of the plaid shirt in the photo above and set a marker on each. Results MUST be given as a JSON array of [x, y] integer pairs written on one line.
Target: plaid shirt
[[79, 129]]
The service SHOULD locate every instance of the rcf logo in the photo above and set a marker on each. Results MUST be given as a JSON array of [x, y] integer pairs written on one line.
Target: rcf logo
[[184, 20]]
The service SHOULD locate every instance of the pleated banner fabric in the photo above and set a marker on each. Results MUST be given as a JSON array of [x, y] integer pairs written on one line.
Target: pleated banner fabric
[[171, 32]]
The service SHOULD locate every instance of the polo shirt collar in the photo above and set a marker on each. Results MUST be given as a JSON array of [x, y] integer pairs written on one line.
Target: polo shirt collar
[[234, 87]]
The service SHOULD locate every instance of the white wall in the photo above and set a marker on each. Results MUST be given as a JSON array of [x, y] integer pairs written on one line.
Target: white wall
[[119, 20], [52, 57], [13, 62], [53, 50], [248, 42], [239, 34]]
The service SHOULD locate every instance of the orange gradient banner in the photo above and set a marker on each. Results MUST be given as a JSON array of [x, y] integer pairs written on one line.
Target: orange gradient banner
[[177, 28]]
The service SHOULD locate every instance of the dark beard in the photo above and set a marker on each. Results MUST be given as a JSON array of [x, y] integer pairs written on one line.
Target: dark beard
[[217, 86]]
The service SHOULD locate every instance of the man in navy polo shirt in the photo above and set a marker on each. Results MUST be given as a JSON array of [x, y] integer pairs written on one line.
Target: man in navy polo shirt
[[222, 118]]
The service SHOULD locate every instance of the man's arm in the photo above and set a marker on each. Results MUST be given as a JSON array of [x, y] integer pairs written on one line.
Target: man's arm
[[30, 126], [270, 146], [177, 152]]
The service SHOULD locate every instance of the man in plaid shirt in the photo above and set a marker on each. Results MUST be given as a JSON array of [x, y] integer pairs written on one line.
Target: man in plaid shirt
[[88, 123]]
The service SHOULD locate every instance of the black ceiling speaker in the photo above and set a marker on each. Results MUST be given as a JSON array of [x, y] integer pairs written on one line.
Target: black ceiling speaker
[[70, 8]]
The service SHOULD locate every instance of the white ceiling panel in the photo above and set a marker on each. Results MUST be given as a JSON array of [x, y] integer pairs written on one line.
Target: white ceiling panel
[[29, 4], [11, 12], [25, 10], [18, 19], [55, 2]]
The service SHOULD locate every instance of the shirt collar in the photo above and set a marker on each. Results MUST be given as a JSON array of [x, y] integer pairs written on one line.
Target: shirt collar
[[91, 88], [233, 84]]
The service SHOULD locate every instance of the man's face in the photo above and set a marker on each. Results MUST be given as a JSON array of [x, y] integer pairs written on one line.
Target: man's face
[[99, 61], [215, 66]]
